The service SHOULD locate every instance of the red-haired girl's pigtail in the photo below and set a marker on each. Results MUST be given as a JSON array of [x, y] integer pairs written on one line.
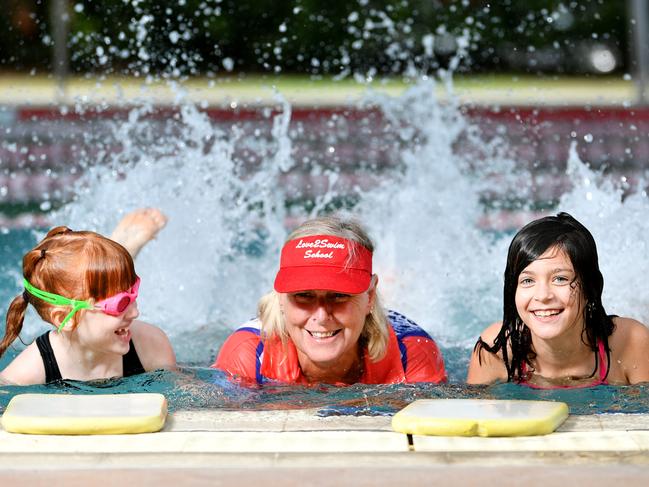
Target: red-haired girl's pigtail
[[18, 307], [14, 322]]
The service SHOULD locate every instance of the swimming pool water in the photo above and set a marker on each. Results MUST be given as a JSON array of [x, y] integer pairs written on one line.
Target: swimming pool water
[[199, 388]]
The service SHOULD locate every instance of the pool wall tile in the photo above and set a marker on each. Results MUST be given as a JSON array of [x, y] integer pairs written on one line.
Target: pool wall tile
[[641, 438], [298, 420], [559, 441], [209, 442]]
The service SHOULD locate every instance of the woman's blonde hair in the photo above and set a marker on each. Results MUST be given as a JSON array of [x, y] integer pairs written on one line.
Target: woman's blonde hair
[[375, 330], [76, 265]]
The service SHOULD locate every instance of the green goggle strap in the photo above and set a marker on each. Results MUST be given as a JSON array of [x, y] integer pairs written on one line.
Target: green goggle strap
[[57, 300]]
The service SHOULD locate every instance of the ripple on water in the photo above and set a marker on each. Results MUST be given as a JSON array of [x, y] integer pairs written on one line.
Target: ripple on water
[[198, 388]]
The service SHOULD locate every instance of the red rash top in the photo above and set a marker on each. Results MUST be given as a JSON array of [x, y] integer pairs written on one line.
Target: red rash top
[[412, 356]]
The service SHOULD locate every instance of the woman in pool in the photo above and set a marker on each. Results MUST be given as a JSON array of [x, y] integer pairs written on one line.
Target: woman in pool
[[323, 323], [555, 331], [86, 287]]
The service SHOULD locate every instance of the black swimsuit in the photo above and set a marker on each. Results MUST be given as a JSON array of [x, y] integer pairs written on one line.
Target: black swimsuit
[[130, 362]]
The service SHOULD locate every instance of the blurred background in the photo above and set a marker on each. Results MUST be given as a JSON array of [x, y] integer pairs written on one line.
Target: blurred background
[[363, 37], [74, 56]]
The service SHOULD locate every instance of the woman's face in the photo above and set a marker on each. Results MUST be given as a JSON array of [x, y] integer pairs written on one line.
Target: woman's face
[[548, 298], [324, 325], [104, 333]]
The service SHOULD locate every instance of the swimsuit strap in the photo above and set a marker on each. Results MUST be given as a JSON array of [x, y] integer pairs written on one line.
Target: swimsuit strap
[[130, 361], [604, 365], [259, 355], [600, 358], [52, 372], [131, 364]]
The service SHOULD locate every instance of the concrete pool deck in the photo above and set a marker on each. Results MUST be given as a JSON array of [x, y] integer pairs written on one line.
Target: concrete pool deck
[[297, 447]]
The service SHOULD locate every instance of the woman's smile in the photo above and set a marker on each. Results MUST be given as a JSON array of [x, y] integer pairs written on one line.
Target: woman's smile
[[322, 335], [325, 326]]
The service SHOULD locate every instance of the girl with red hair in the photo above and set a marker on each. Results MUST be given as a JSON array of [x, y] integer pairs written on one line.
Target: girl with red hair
[[85, 286]]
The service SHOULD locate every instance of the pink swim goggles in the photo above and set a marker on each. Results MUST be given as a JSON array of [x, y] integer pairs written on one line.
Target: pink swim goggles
[[116, 305]]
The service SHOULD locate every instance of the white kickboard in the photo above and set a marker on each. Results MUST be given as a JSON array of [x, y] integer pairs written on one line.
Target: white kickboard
[[480, 417], [71, 414]]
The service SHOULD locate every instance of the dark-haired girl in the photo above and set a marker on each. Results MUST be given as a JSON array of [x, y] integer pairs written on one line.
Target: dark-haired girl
[[555, 331]]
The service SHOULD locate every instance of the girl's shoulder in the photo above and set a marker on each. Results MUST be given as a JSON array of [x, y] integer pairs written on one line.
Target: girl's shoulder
[[490, 333], [26, 369], [628, 334], [487, 338], [486, 367], [153, 346], [629, 346]]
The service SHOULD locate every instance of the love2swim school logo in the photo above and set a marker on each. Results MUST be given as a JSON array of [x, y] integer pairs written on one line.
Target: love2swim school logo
[[314, 249]]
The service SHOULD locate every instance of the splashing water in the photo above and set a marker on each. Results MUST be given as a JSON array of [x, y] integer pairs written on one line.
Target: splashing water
[[619, 226], [217, 210], [435, 261], [227, 221], [229, 216]]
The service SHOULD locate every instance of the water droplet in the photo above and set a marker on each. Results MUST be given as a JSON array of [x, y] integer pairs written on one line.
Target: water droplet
[[228, 63]]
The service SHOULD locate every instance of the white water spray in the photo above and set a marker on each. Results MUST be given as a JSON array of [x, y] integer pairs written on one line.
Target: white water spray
[[434, 262]]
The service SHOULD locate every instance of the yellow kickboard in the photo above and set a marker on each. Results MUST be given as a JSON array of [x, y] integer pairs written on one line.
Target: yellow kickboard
[[102, 414], [480, 417]]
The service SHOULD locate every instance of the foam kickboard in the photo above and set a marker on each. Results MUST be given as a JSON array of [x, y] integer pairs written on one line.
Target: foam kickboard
[[70, 414], [480, 417]]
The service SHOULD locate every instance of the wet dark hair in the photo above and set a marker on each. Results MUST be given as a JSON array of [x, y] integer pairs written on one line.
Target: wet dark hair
[[567, 235]]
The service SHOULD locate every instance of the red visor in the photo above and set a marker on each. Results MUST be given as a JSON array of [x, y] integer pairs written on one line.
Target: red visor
[[324, 262]]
